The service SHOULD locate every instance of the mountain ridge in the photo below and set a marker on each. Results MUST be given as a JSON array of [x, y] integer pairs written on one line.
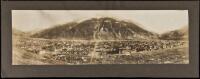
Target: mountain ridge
[[178, 34], [105, 28]]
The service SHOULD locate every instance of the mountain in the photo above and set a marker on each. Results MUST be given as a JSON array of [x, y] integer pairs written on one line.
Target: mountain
[[180, 34], [97, 28], [17, 32]]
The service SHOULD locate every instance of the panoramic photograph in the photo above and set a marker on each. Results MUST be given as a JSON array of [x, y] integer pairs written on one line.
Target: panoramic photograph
[[86, 37]]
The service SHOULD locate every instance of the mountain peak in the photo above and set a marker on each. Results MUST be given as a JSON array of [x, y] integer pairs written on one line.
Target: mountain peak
[[105, 28]]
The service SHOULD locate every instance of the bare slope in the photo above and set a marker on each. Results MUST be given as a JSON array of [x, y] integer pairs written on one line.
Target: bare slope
[[180, 34], [103, 28]]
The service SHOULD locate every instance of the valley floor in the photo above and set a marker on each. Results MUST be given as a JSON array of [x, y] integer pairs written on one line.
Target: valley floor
[[29, 51]]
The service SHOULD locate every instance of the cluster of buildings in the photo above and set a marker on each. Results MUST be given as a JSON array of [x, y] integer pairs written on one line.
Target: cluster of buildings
[[80, 51]]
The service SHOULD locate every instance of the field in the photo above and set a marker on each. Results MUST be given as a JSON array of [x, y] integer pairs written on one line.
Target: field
[[36, 51]]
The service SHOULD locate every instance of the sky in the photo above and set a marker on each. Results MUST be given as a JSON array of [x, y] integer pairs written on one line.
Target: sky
[[158, 21]]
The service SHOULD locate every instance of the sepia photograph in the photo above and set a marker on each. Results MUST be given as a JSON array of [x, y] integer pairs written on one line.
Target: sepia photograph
[[84, 37]]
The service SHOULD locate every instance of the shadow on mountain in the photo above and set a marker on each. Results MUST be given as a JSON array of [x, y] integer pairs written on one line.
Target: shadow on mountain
[[96, 28]]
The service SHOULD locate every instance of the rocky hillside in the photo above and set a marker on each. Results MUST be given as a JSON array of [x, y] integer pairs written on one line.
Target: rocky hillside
[[180, 34], [97, 28]]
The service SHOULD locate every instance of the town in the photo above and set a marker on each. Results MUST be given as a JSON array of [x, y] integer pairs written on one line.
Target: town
[[96, 51]]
